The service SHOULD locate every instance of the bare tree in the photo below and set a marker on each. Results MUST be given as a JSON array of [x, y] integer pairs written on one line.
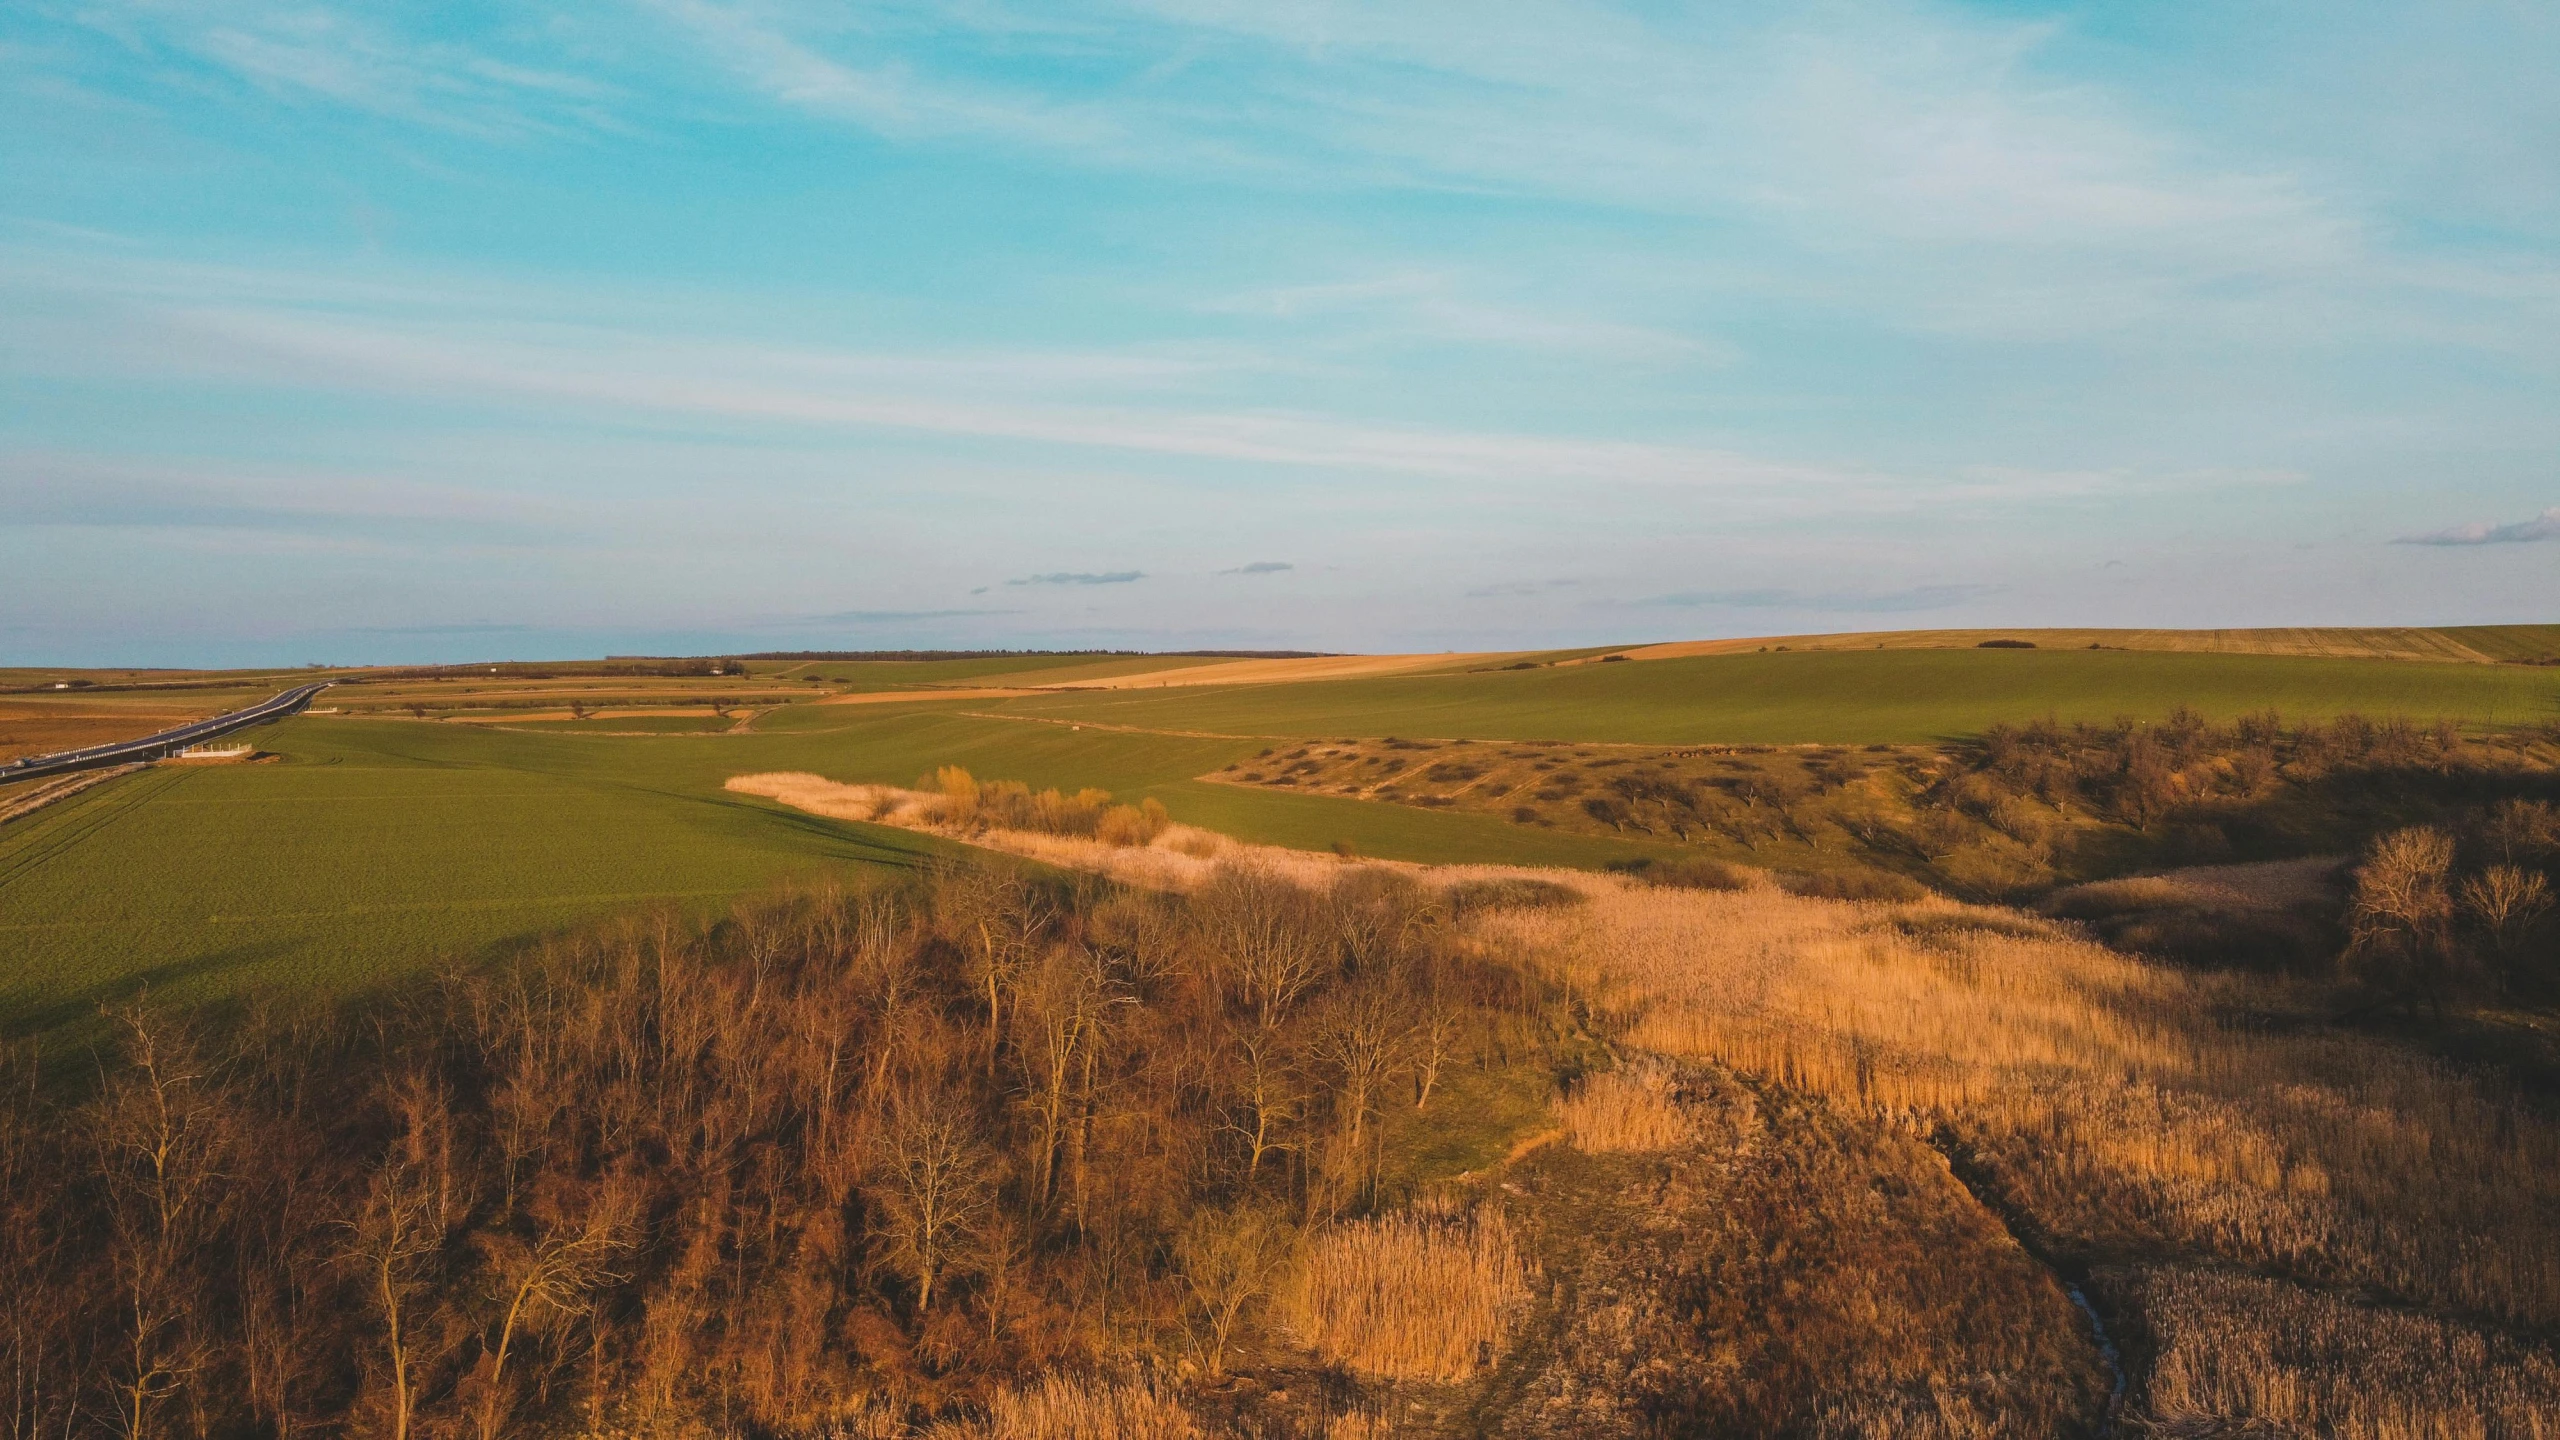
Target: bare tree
[[1439, 1025], [2524, 831], [408, 1208], [160, 1129], [2401, 912], [1061, 1008], [1359, 1038], [1228, 1259], [937, 1187], [37, 1380], [1266, 1091], [553, 1274], [1266, 939], [2506, 901], [998, 916]]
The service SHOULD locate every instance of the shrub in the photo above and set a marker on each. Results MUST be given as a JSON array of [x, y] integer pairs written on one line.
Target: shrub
[[1137, 824], [1475, 896], [2010, 645], [1859, 884]]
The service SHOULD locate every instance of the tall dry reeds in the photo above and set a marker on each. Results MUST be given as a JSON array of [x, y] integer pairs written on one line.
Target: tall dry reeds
[[1634, 1107], [2228, 1344], [2111, 1101], [1412, 1296], [1064, 1407]]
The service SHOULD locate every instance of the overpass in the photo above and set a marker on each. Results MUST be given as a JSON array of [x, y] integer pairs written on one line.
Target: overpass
[[162, 745]]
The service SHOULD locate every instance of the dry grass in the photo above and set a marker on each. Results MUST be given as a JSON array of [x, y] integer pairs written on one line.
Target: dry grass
[[1797, 1270], [1180, 858], [2203, 1120], [1411, 1296], [2270, 885], [43, 726], [2239, 1345], [1632, 1108], [2100, 1095], [1062, 1407]]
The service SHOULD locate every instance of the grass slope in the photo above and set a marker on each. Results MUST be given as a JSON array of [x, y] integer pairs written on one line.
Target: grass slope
[[371, 850], [1869, 697], [2468, 643], [375, 848]]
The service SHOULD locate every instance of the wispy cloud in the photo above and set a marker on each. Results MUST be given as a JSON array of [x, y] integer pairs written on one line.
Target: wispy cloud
[[1444, 309], [1517, 587], [2545, 526], [303, 53], [41, 488], [476, 627], [1919, 597], [1082, 577], [886, 617], [1260, 567]]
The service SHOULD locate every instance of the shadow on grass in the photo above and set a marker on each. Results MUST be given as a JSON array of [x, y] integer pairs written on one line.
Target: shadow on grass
[[61, 1018]]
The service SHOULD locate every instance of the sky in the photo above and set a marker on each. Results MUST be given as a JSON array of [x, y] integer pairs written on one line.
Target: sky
[[448, 331]]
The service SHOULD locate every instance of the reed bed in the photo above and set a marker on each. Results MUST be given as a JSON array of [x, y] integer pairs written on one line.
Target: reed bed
[[2236, 1344], [1065, 1407], [1635, 1107], [2121, 1105], [1411, 1296]]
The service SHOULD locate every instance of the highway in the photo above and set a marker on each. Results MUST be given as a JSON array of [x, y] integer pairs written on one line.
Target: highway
[[167, 742]]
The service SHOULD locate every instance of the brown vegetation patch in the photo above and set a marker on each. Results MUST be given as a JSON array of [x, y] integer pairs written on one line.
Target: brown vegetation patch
[[1793, 1271], [2103, 1101], [1412, 1296], [1633, 1107]]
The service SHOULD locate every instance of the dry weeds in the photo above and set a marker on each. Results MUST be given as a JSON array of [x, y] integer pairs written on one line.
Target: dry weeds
[[2269, 885], [2110, 1101], [1064, 1407], [2238, 1345], [1181, 858], [1634, 1107], [1411, 1296]]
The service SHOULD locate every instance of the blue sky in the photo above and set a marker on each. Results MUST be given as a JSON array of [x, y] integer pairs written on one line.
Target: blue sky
[[450, 331]]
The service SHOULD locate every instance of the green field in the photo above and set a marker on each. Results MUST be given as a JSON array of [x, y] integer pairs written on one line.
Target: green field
[[375, 847], [628, 725], [877, 675], [1836, 697]]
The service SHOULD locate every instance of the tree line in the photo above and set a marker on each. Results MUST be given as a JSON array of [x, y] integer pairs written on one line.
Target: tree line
[[844, 1147]]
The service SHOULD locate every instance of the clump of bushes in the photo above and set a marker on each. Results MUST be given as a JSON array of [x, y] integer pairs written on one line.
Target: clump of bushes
[[1511, 894], [1011, 805]]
